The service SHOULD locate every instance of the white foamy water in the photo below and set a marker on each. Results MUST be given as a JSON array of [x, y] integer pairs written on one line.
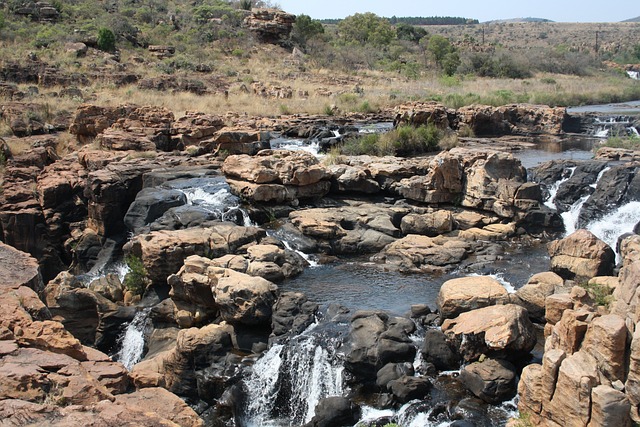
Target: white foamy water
[[570, 217], [500, 278], [634, 74], [298, 376], [296, 145], [132, 342], [553, 191], [615, 224], [309, 258], [224, 205]]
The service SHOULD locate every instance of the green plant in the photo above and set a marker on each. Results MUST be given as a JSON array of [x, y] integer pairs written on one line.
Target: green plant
[[246, 4], [523, 420], [136, 279], [366, 28], [106, 40], [600, 293], [629, 143], [284, 109], [328, 110]]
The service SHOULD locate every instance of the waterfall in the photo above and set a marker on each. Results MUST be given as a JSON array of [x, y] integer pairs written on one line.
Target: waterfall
[[570, 217], [287, 382], [634, 74], [132, 341], [553, 190], [312, 262], [616, 223]]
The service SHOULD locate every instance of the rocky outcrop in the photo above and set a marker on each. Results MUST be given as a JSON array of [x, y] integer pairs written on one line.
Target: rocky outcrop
[[376, 339], [457, 296], [40, 361], [270, 25], [277, 176], [502, 331], [533, 295], [163, 252], [19, 269], [492, 380], [581, 256], [359, 228], [484, 120]]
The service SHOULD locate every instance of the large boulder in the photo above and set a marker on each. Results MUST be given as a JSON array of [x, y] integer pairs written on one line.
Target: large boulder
[[498, 331], [533, 295], [164, 252], [270, 25], [437, 351], [376, 339], [335, 411], [469, 293], [581, 256], [150, 204], [277, 176], [492, 380]]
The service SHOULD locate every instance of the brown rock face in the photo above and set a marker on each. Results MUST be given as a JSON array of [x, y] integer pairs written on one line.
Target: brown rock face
[[277, 176], [164, 252], [270, 25], [581, 256], [501, 330], [469, 293], [19, 269]]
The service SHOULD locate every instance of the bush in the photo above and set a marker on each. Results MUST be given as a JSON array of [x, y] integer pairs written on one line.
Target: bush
[[363, 28], [402, 141], [629, 143], [106, 40], [136, 280], [304, 29], [601, 294]]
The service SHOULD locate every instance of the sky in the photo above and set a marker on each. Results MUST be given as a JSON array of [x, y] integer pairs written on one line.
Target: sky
[[487, 10]]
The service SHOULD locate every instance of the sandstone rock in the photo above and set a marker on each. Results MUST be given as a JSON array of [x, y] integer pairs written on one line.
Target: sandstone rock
[[19, 269], [492, 380], [571, 401], [163, 403], [292, 314], [150, 204], [605, 341], [555, 305], [581, 256], [609, 407], [568, 333], [503, 330], [422, 253], [335, 411], [430, 224], [514, 119], [270, 25], [350, 179], [533, 295], [490, 232], [243, 299], [163, 252], [50, 336], [469, 293], [632, 385]]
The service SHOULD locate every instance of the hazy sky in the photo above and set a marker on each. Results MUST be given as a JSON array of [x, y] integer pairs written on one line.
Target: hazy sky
[[556, 10]]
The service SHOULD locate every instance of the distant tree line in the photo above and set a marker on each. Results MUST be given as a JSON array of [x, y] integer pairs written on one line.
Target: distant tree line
[[418, 20]]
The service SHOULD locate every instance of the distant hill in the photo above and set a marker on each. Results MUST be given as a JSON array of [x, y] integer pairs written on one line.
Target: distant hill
[[499, 21], [636, 19], [420, 20]]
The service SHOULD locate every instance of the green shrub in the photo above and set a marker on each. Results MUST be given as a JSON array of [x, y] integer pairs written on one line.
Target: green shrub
[[304, 29], [629, 143], [601, 294], [363, 28], [402, 141], [136, 280], [106, 40]]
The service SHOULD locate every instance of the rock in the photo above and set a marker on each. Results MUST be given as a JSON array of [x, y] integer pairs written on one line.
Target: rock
[[109, 286], [626, 296], [605, 341], [533, 295], [19, 269], [609, 407], [513, 119], [632, 385], [469, 293], [492, 380], [350, 179], [241, 298], [436, 350], [391, 372], [161, 402], [359, 228], [376, 339], [277, 176], [163, 252], [555, 306], [408, 388], [581, 256], [270, 25], [335, 411], [150, 204], [497, 331], [430, 224], [415, 253], [292, 314]]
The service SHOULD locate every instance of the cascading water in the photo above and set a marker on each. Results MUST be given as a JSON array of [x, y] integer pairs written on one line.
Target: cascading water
[[288, 381], [312, 262], [634, 74], [132, 341], [570, 217], [553, 190], [613, 225]]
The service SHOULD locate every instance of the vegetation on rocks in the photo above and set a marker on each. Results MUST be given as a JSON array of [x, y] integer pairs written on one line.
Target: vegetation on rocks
[[403, 141], [137, 278]]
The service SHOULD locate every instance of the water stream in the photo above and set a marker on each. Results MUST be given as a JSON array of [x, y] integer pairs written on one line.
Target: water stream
[[132, 341]]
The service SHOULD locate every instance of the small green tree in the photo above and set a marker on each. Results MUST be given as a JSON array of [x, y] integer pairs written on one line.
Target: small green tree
[[304, 29], [450, 63], [106, 40], [439, 47], [363, 28], [136, 280], [246, 4], [410, 33]]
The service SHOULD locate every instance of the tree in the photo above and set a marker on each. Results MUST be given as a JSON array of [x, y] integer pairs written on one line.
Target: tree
[[363, 28], [106, 40], [439, 47], [1, 20], [410, 33], [304, 29], [450, 63]]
